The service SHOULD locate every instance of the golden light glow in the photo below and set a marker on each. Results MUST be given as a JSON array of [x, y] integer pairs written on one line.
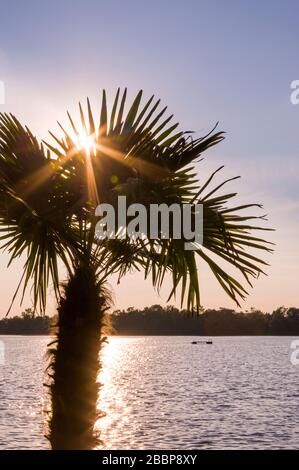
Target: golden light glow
[[146, 168], [86, 142]]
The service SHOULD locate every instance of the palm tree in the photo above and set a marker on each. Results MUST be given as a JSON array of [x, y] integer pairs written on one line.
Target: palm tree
[[47, 213]]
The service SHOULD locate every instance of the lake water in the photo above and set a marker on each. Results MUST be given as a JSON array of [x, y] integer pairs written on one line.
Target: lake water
[[164, 393]]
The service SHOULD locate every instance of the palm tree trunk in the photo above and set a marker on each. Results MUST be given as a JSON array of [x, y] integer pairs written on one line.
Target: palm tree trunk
[[74, 365]]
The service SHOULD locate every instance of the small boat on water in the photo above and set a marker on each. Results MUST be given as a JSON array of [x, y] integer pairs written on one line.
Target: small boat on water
[[202, 342]]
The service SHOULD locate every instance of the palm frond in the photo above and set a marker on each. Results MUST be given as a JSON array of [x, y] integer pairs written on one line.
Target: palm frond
[[33, 221], [138, 151]]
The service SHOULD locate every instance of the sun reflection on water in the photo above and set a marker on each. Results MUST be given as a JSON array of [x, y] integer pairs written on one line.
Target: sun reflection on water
[[113, 406]]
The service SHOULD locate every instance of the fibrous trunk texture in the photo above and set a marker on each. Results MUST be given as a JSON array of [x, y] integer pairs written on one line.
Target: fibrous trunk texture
[[74, 362]]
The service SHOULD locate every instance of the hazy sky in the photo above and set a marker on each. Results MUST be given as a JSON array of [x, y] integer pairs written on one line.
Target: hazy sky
[[210, 61]]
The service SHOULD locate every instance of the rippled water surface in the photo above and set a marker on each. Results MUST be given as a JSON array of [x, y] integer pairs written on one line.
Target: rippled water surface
[[163, 392]]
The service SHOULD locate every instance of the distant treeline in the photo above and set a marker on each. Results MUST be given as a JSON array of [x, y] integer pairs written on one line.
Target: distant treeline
[[26, 324], [156, 320]]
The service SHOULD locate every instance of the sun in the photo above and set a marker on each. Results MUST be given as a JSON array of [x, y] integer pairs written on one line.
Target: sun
[[86, 142]]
